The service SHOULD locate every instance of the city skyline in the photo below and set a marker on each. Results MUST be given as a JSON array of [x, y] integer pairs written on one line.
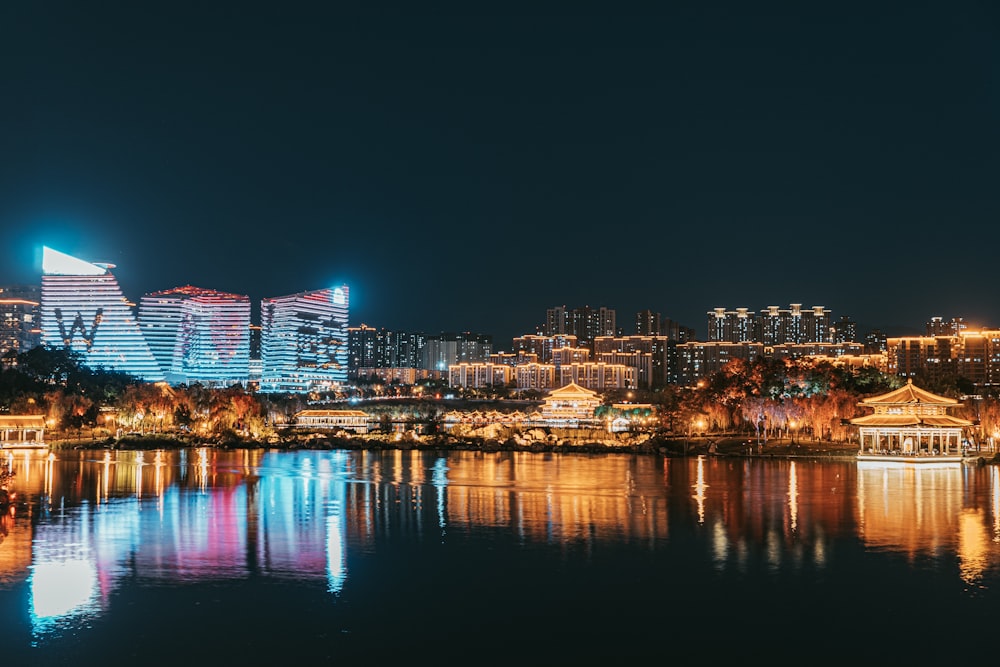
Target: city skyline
[[467, 169], [627, 323]]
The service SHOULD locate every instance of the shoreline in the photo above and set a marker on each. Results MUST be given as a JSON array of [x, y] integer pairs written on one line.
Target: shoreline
[[725, 446], [667, 447]]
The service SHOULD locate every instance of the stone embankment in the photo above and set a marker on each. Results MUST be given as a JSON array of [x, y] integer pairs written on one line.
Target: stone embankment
[[567, 441]]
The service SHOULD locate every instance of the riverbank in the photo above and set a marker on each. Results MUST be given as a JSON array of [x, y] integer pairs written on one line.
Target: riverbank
[[636, 443]]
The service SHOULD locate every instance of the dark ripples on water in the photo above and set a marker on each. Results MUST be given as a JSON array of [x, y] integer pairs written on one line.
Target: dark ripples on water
[[253, 557]]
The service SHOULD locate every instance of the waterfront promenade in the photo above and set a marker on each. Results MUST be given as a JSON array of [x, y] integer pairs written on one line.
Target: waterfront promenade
[[673, 446]]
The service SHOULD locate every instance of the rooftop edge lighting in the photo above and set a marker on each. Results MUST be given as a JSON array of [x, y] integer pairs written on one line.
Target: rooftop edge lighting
[[55, 263]]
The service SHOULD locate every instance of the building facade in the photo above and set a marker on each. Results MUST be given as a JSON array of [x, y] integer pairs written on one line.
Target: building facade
[[542, 346], [355, 421], [973, 355], [446, 349], [20, 328], [198, 335], [585, 323], [653, 357], [772, 326], [304, 341], [83, 310], [696, 361], [479, 375]]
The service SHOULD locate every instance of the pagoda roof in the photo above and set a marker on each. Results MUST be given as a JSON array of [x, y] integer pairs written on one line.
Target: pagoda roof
[[572, 390], [909, 394], [898, 421], [22, 421], [330, 413]]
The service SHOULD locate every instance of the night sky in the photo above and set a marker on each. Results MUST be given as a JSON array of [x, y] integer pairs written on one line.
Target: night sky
[[466, 167]]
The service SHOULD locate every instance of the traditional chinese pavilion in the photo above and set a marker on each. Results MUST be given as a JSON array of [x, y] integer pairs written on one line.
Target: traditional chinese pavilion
[[571, 403], [22, 431], [911, 422]]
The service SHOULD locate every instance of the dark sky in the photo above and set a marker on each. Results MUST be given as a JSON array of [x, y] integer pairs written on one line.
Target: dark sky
[[468, 166]]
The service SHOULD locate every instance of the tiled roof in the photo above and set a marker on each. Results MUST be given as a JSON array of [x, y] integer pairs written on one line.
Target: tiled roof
[[571, 390], [908, 394], [22, 421], [896, 421]]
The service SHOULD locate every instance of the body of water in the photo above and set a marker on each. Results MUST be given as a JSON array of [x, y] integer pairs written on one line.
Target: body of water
[[202, 556]]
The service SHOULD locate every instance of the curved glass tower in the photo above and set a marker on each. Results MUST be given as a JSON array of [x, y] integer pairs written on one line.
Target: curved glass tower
[[83, 310], [303, 341], [198, 335]]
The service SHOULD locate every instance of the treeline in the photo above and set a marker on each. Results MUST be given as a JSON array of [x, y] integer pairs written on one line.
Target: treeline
[[765, 396], [801, 397]]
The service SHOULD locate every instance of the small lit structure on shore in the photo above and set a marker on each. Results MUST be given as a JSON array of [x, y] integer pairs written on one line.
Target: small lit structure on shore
[[22, 431], [910, 424], [346, 420]]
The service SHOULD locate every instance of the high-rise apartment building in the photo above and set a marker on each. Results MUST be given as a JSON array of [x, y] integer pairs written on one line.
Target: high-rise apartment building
[[542, 346], [732, 326], [845, 330], [700, 360], [585, 323], [876, 342], [198, 335], [678, 332], [648, 323], [654, 357], [555, 322], [972, 355], [83, 310], [19, 320], [304, 341], [938, 326], [772, 326], [446, 349], [366, 348], [371, 348]]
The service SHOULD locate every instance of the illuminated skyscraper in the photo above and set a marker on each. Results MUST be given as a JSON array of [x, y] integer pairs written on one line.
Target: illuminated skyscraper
[[83, 310], [198, 335], [304, 343]]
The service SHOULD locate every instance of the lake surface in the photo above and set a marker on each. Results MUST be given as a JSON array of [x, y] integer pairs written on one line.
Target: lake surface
[[254, 557]]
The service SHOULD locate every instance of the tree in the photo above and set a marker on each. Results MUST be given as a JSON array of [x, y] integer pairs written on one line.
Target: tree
[[48, 365]]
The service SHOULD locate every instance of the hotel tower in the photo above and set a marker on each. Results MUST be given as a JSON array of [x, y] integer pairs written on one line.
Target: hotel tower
[[83, 310], [303, 341], [198, 335]]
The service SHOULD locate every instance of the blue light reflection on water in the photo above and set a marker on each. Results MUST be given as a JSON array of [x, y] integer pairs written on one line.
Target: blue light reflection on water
[[394, 540]]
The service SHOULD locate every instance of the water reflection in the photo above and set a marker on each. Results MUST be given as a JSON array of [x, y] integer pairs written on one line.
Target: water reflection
[[89, 521], [922, 512]]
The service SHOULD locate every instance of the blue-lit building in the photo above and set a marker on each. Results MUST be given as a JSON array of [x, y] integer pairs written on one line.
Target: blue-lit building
[[303, 341], [198, 335], [83, 310]]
